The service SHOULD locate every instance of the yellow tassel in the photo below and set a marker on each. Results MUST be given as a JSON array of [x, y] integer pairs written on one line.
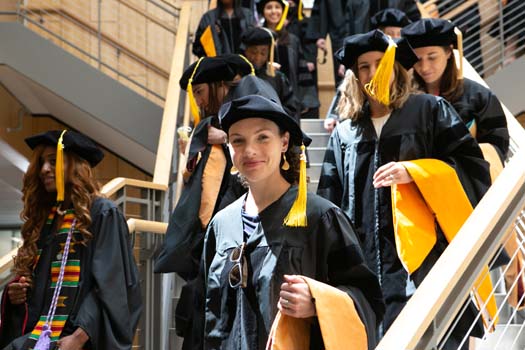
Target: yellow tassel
[[283, 18], [300, 11], [59, 168], [297, 215], [249, 63], [379, 86], [271, 69], [459, 36], [194, 108]]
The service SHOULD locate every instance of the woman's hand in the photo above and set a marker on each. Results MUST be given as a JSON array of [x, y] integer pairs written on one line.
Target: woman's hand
[[216, 136], [74, 341], [330, 124], [295, 298], [391, 173], [17, 291]]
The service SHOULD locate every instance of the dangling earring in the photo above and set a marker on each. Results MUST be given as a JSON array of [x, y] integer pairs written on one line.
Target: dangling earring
[[286, 165], [234, 170]]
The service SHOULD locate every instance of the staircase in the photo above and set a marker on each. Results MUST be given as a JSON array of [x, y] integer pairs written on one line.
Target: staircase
[[315, 130]]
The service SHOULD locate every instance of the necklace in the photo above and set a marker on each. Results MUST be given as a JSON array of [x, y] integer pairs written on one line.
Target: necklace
[[59, 211]]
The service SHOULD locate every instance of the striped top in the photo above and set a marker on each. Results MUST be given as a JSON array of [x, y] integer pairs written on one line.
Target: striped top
[[249, 223]]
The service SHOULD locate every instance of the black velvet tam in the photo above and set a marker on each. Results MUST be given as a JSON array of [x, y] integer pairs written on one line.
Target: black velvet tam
[[430, 32], [261, 3], [375, 40], [390, 17], [255, 98], [74, 142], [213, 69], [257, 36]]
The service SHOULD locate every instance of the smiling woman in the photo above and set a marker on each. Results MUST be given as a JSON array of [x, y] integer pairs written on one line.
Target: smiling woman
[[70, 238], [264, 252]]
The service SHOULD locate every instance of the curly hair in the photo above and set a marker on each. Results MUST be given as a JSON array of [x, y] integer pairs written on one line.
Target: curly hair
[[81, 187], [353, 97]]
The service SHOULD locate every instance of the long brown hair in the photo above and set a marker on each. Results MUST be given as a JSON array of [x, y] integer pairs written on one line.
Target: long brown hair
[[450, 86], [214, 100], [81, 187], [353, 97]]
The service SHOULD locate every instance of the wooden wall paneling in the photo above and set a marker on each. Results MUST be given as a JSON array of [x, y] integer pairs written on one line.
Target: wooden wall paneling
[[157, 83], [134, 70], [160, 44], [79, 37], [81, 8], [109, 57], [325, 78], [132, 29], [108, 10], [8, 6]]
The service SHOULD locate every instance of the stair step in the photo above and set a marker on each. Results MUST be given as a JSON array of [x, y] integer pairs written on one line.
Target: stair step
[[312, 125], [319, 139], [509, 337], [316, 154]]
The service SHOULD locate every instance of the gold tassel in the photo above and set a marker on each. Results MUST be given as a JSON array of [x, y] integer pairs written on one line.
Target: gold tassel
[[249, 63], [270, 67], [459, 37], [283, 18], [297, 215], [59, 168], [194, 108], [379, 86], [300, 10]]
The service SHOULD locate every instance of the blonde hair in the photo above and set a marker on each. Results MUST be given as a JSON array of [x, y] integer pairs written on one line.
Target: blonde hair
[[353, 97]]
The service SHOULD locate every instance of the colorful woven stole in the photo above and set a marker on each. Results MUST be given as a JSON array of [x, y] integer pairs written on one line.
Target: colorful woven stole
[[64, 280]]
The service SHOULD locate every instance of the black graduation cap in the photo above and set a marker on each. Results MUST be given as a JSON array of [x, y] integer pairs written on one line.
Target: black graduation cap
[[262, 3], [430, 32], [254, 97], [212, 69], [257, 36], [375, 40], [389, 17], [73, 142]]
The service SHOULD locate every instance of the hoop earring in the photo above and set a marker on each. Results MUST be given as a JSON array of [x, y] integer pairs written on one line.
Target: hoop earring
[[286, 165], [234, 170]]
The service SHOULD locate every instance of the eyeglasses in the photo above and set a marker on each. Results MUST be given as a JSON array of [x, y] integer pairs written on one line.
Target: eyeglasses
[[238, 276]]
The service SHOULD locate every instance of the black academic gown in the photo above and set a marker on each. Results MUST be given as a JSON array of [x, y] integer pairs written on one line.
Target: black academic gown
[[407, 6], [226, 31], [327, 250], [108, 303], [425, 127], [182, 248], [479, 104], [289, 54]]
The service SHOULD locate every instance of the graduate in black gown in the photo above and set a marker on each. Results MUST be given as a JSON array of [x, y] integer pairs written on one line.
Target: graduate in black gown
[[390, 21], [436, 73], [289, 54], [99, 302], [208, 184], [338, 19], [220, 29], [257, 248], [258, 44], [364, 153]]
